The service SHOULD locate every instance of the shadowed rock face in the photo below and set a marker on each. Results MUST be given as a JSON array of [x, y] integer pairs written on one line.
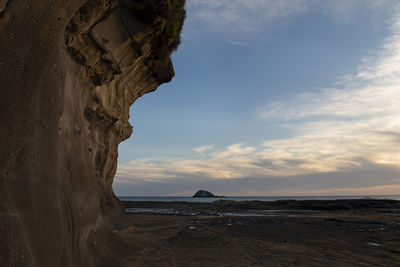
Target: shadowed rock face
[[203, 193], [69, 71]]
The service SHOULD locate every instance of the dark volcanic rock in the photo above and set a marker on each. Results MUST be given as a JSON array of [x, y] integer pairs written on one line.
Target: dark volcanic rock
[[382, 206], [69, 72], [203, 193]]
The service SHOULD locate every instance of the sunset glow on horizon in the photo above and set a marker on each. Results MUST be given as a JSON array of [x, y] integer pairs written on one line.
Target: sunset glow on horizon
[[333, 131]]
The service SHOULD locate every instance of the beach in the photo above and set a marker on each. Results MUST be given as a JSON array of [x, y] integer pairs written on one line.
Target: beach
[[254, 233]]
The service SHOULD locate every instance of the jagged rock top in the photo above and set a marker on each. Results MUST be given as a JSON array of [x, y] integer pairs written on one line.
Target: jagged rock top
[[203, 193]]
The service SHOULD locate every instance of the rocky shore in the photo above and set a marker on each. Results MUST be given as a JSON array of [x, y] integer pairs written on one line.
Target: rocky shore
[[292, 233], [222, 206]]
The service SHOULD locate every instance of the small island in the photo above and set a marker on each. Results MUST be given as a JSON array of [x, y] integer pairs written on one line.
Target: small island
[[203, 193]]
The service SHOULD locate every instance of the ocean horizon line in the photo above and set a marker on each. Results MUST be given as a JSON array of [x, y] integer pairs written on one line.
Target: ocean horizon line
[[273, 196], [250, 198]]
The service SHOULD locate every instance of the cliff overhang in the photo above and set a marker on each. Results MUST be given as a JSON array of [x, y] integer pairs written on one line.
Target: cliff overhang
[[69, 73]]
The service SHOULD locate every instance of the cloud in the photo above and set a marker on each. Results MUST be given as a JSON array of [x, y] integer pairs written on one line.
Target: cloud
[[244, 16], [254, 16], [339, 125], [347, 11], [233, 162], [355, 181], [343, 140], [372, 91], [203, 148], [234, 150]]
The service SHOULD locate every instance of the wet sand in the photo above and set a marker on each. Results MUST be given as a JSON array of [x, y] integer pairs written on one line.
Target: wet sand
[[292, 234]]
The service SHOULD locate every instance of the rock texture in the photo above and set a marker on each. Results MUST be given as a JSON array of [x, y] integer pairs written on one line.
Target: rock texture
[[69, 72], [203, 193]]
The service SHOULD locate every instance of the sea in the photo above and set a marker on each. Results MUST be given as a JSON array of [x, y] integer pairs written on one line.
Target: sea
[[252, 198]]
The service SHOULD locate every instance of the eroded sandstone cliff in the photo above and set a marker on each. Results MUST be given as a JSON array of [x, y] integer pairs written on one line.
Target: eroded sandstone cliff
[[69, 72]]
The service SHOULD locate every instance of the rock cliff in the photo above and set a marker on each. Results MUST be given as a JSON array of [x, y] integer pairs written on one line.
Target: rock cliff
[[69, 72]]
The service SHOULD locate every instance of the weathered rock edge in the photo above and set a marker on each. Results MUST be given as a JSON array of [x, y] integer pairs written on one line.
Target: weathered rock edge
[[69, 72]]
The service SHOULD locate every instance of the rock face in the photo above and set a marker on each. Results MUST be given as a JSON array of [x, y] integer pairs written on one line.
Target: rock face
[[203, 193], [69, 72]]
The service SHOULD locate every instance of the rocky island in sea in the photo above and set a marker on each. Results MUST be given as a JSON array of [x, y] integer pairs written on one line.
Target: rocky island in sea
[[203, 193]]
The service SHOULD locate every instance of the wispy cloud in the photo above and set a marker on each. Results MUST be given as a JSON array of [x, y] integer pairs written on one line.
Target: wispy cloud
[[202, 149], [233, 162], [339, 125], [235, 150], [252, 16], [336, 133], [352, 181], [347, 11], [244, 16]]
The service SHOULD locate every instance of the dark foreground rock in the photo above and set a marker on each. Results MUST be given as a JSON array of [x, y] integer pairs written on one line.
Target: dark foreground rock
[[69, 72], [381, 206], [320, 239], [356, 232]]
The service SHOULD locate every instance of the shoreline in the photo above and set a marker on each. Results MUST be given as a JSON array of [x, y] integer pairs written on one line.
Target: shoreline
[[258, 208], [328, 233]]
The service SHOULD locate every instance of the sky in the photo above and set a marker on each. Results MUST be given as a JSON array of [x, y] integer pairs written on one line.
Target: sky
[[273, 98]]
